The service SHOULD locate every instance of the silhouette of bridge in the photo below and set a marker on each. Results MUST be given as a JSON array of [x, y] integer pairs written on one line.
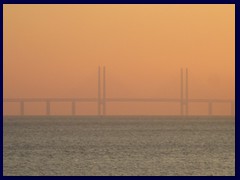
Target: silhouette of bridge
[[102, 100]]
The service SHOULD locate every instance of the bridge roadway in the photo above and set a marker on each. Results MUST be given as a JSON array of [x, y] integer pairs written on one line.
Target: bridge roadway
[[103, 101], [115, 100]]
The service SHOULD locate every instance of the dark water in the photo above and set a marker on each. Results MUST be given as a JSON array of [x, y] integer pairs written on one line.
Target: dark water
[[119, 146]]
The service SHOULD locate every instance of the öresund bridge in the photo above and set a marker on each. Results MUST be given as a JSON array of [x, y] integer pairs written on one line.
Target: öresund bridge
[[102, 100]]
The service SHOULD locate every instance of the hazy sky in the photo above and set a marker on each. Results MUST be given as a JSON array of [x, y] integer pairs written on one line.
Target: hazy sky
[[55, 50]]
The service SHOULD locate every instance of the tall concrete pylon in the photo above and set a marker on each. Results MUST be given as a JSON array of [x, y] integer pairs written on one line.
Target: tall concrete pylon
[[181, 93], [101, 91], [184, 100], [104, 91], [186, 91]]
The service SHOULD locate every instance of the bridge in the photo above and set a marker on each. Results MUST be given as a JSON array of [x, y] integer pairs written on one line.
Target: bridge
[[102, 100]]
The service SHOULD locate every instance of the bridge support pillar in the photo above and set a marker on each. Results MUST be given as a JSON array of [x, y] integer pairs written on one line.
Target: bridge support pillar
[[73, 108], [48, 108], [232, 108], [22, 108], [210, 108]]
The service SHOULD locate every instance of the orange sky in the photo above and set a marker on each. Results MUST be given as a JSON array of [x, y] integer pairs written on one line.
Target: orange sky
[[55, 50]]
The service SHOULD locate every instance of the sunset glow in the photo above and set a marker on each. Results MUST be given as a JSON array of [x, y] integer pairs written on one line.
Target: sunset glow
[[53, 51]]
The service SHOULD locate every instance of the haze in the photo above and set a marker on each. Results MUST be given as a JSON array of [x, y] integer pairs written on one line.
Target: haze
[[54, 51]]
